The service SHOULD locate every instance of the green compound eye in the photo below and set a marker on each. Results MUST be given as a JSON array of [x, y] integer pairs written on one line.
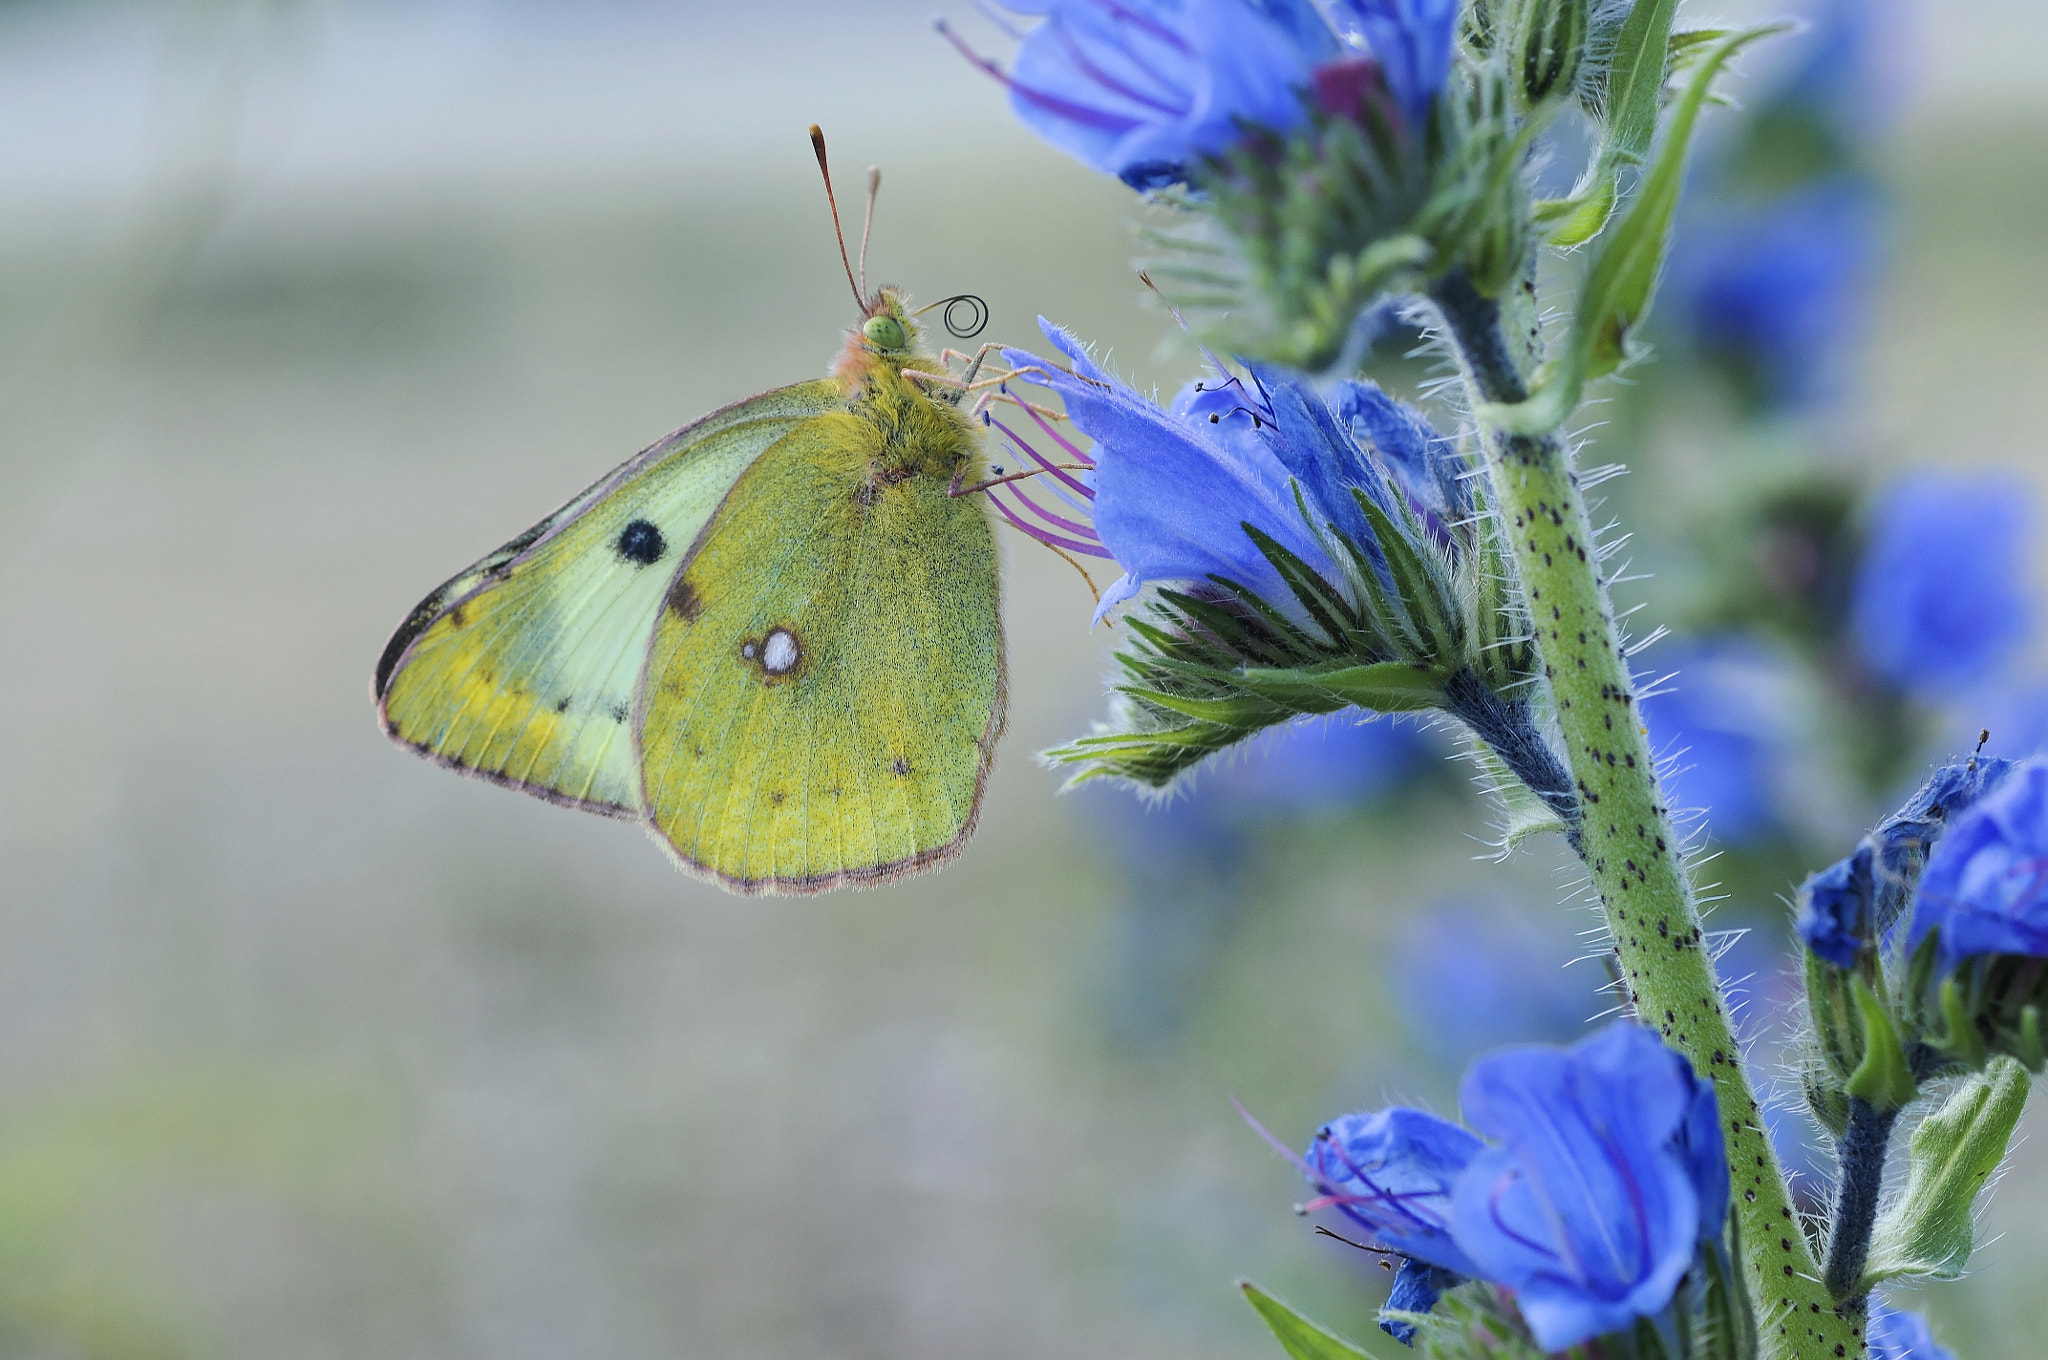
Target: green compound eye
[[884, 332]]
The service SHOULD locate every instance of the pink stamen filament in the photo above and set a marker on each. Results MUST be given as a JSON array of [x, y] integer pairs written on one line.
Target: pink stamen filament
[[1046, 536]]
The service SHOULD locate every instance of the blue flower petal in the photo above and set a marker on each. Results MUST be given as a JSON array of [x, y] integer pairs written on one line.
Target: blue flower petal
[[1986, 884], [1411, 40], [1396, 1170], [1587, 1209]]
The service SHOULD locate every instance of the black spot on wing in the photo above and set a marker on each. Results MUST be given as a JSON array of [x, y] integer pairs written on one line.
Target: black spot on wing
[[562, 704], [641, 543], [620, 713]]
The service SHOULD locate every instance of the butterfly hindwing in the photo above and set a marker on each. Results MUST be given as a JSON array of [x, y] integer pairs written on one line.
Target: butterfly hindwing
[[820, 707], [523, 669]]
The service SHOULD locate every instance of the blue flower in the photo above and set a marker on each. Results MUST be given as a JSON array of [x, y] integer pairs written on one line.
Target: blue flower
[[1173, 489], [1606, 1177], [1940, 595], [1986, 883], [1836, 907], [1467, 978], [1898, 1335], [1142, 89], [1411, 41], [1780, 289], [1850, 904], [1605, 1180], [1393, 1173], [1727, 722]]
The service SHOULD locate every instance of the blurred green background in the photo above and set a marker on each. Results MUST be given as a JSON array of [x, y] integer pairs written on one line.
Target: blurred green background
[[310, 1049]]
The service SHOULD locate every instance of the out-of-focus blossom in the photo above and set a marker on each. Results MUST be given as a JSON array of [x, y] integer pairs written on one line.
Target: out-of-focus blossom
[[1727, 721], [1606, 1175], [1899, 1335], [1186, 863], [1467, 978], [1940, 595], [1986, 883], [1779, 290], [1173, 489], [1604, 1179], [1143, 89]]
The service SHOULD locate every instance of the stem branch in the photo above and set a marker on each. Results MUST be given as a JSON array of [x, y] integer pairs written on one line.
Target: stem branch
[[1625, 834], [1860, 1152]]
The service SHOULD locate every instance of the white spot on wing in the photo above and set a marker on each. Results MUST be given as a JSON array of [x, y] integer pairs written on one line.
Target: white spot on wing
[[779, 654]]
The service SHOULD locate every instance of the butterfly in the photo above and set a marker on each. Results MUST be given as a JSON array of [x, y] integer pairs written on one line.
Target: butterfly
[[774, 638]]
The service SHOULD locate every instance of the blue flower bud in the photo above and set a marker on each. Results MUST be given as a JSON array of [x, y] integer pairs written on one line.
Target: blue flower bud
[[1836, 909], [1940, 596]]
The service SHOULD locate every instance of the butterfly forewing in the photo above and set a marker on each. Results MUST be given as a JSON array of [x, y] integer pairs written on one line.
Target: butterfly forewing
[[820, 707], [523, 669]]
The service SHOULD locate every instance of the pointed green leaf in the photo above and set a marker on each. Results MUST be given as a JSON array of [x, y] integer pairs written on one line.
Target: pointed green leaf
[[1386, 687], [1884, 1078], [1243, 712], [1300, 1338], [1929, 1230], [1576, 220], [1635, 79]]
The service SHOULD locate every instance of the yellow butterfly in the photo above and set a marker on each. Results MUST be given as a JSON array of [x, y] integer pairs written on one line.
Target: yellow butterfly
[[774, 638]]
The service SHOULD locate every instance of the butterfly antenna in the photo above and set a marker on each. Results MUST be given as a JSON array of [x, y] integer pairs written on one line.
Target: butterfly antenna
[[874, 185], [818, 145]]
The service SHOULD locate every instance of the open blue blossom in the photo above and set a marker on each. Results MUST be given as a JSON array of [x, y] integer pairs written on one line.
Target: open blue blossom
[[1606, 1176], [1393, 1173], [1986, 883], [1173, 489], [1142, 89], [1604, 1180], [1780, 289], [1727, 721], [1940, 595], [1899, 1335]]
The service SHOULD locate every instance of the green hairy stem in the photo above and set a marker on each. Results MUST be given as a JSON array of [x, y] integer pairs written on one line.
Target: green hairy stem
[[1625, 833]]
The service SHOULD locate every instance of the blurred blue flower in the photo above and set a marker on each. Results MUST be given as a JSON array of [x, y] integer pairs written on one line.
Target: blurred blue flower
[[1899, 1335], [1986, 883], [1842, 73], [1141, 89], [1467, 978], [1940, 595], [1172, 489], [1604, 1180], [1780, 289], [1727, 722], [1410, 40], [1606, 1177], [1186, 863]]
